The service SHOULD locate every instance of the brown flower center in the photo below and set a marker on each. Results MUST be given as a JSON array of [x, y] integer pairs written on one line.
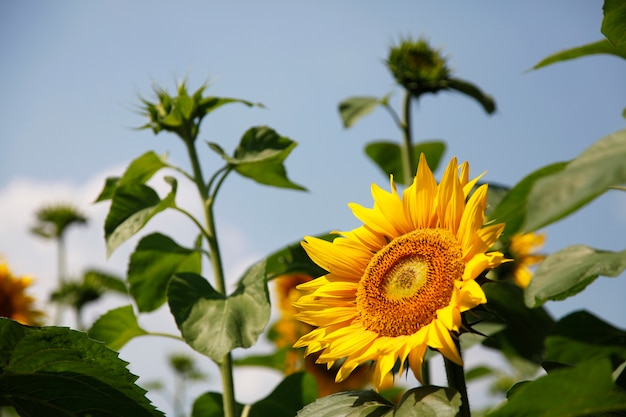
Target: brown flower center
[[408, 280]]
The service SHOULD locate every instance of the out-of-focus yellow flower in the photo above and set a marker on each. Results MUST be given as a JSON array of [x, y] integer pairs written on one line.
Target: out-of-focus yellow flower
[[522, 248], [399, 283], [14, 302]]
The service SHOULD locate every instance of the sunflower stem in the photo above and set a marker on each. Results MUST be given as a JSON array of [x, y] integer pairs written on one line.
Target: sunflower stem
[[208, 199], [407, 148], [456, 380]]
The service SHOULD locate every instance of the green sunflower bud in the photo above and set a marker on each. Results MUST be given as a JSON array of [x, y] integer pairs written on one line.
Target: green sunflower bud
[[418, 67]]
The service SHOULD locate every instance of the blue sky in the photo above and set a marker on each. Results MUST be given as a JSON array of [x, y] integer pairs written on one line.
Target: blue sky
[[71, 73]]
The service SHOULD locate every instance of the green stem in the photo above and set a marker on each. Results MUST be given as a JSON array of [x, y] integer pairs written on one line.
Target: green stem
[[61, 271], [194, 220], [226, 364], [407, 150], [456, 380], [171, 336]]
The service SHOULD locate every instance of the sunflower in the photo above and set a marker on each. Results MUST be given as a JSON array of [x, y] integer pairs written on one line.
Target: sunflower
[[399, 283], [14, 303], [522, 247]]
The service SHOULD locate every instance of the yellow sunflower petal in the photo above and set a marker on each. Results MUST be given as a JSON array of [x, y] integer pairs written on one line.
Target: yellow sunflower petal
[[448, 346]]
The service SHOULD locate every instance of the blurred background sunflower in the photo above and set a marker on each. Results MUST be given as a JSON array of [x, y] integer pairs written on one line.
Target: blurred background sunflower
[[14, 302]]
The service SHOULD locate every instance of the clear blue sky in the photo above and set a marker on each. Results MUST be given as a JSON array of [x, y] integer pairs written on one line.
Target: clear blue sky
[[71, 72]]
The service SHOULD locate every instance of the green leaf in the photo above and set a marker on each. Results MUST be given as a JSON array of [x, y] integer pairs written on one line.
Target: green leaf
[[388, 157], [478, 372], [353, 404], [140, 170], [526, 328], [429, 401], [268, 173], [569, 271], [110, 185], [155, 260], [144, 167], [353, 108], [592, 173], [262, 144], [210, 404], [495, 195], [586, 389], [472, 91], [291, 395], [614, 23], [54, 371], [512, 208], [132, 206], [214, 324], [208, 104], [260, 155], [103, 280], [600, 47], [581, 336], [116, 327]]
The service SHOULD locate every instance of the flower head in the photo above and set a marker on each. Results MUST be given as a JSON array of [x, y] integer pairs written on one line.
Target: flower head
[[14, 303], [399, 283], [521, 248], [418, 67]]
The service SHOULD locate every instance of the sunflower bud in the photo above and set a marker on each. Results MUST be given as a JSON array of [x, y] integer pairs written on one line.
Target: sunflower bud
[[418, 67]]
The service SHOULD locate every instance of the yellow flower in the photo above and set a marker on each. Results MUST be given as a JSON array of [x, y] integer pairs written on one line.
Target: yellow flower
[[399, 283], [521, 248], [14, 303]]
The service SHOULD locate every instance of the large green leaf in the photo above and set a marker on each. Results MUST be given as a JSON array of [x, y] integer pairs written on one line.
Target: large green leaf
[[116, 327], [581, 336], [291, 395], [139, 170], [600, 47], [353, 108], [260, 156], [569, 271], [584, 390], [429, 401], [614, 23], [426, 401], [156, 258], [132, 206], [388, 157], [526, 328], [58, 372], [512, 208], [593, 172], [214, 324], [353, 404], [472, 91]]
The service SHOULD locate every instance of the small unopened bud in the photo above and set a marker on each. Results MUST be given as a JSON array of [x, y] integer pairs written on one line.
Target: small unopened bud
[[418, 67]]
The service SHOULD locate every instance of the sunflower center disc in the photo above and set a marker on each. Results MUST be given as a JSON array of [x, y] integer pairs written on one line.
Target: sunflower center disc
[[408, 280]]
